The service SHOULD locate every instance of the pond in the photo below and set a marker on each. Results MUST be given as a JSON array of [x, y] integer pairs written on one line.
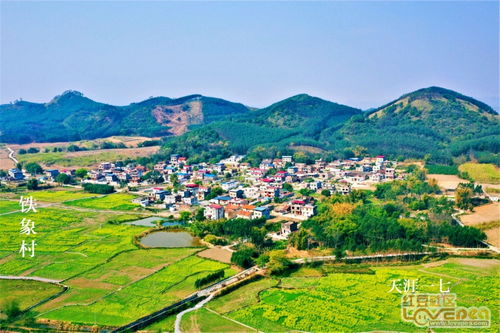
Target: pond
[[170, 239], [151, 222], [147, 222]]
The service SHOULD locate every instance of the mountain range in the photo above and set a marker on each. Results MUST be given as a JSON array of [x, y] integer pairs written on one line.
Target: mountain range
[[435, 123]]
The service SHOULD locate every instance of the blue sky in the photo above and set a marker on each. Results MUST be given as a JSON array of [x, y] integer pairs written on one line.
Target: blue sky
[[362, 54]]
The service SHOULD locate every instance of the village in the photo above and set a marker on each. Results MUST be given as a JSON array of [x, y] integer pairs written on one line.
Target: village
[[278, 189]]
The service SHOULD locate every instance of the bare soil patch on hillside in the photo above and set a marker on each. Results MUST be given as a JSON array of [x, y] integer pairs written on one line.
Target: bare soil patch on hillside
[[307, 149], [5, 161]]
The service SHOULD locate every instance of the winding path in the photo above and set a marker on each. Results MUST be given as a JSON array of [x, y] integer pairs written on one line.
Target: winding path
[[11, 155]]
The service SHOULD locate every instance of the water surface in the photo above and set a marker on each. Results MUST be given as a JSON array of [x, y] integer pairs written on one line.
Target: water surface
[[170, 239]]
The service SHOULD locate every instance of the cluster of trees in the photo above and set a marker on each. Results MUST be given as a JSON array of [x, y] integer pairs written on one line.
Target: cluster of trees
[[98, 188], [212, 277], [252, 230], [31, 150]]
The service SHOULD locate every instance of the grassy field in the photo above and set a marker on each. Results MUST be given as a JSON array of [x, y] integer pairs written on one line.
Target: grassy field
[[25, 293], [59, 195], [117, 201], [345, 302], [482, 173]]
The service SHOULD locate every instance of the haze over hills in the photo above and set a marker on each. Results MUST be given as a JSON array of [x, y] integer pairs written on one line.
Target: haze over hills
[[434, 122]]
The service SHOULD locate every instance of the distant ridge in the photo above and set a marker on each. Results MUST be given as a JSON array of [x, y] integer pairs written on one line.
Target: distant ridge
[[436, 123]]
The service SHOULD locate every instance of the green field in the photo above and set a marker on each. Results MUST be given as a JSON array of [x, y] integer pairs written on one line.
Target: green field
[[345, 302], [205, 320], [117, 201], [482, 173], [25, 293], [110, 280], [150, 294], [9, 206], [59, 195], [64, 159]]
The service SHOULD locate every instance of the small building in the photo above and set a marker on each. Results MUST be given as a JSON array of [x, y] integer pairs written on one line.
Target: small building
[[288, 227], [343, 187], [214, 212], [15, 174], [236, 193], [260, 212], [51, 173]]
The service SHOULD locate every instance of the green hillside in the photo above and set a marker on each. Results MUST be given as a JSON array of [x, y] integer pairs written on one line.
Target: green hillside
[[431, 121], [434, 123], [71, 116]]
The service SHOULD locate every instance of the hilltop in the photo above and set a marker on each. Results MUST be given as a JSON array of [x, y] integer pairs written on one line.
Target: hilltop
[[72, 116], [431, 121]]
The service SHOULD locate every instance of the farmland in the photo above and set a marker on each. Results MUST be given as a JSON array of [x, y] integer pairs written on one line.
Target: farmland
[[109, 280], [482, 173], [59, 195], [86, 158], [8, 206], [319, 300], [26, 293], [117, 201]]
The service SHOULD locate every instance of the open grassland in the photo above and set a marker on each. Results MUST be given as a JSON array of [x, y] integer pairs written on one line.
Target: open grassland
[[59, 195], [86, 158], [25, 293], [344, 302], [482, 173], [117, 201]]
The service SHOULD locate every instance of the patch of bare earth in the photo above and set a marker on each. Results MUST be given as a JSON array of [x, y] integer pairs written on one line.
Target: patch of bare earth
[[217, 253], [86, 283], [129, 141], [482, 214], [447, 182], [5, 161], [179, 117], [307, 149], [493, 236], [479, 263]]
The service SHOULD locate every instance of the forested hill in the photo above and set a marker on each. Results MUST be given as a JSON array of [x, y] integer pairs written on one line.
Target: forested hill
[[434, 122], [72, 116], [440, 125]]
